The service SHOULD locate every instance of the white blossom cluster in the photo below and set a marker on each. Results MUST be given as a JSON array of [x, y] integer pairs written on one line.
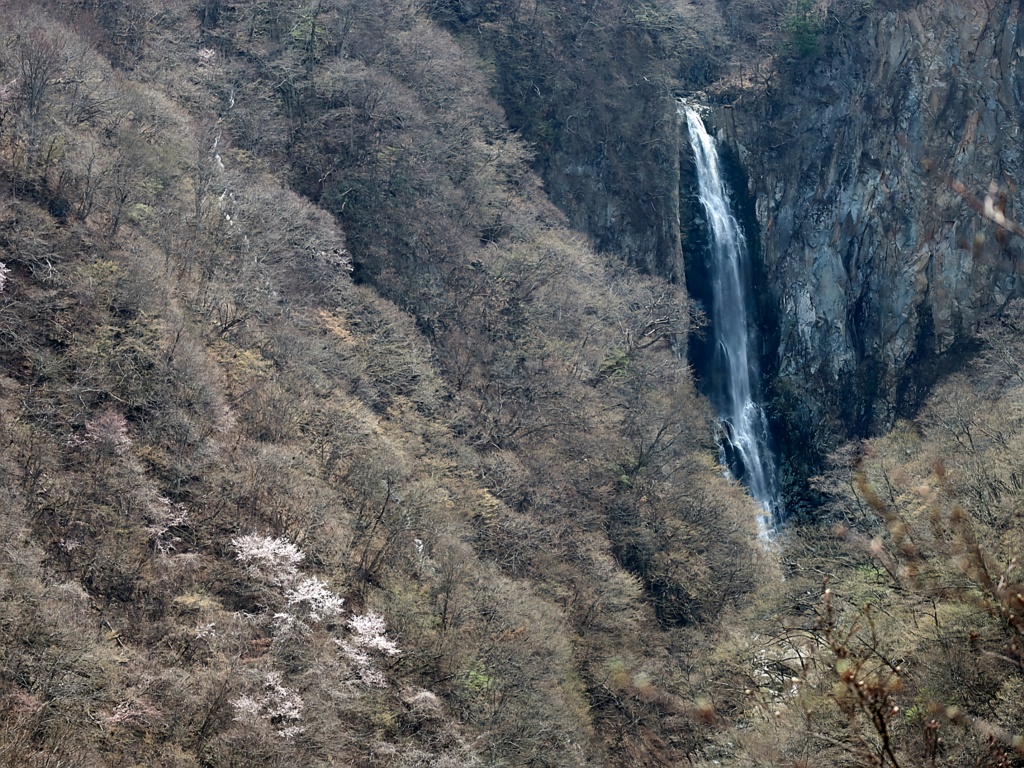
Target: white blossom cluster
[[270, 560], [166, 515], [4, 272], [309, 601], [312, 598], [369, 634], [273, 704], [275, 561], [109, 432]]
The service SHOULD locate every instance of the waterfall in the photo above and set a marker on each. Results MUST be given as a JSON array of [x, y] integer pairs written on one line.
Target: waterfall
[[735, 380]]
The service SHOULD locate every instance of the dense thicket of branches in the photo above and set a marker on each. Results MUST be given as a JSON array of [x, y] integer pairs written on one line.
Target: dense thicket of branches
[[324, 439], [487, 441]]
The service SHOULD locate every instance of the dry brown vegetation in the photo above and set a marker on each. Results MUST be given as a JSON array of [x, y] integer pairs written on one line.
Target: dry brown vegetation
[[484, 435], [503, 458], [897, 639]]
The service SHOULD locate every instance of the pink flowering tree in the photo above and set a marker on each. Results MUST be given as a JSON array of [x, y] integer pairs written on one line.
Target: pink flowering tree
[[268, 560], [108, 432], [367, 643], [273, 706], [275, 562]]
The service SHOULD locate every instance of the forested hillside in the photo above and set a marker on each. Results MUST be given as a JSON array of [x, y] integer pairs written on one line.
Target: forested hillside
[[330, 434]]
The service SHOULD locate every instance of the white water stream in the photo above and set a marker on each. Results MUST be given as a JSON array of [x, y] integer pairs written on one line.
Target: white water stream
[[744, 439]]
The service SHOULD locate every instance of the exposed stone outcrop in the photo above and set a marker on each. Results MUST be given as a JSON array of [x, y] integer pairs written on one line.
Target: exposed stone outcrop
[[870, 165], [868, 161], [617, 178]]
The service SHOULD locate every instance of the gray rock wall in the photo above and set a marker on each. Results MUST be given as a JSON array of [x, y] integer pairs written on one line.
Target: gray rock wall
[[880, 267]]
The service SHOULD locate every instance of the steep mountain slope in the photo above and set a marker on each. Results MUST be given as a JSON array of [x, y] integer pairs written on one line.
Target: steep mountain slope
[[868, 135], [255, 513], [325, 440]]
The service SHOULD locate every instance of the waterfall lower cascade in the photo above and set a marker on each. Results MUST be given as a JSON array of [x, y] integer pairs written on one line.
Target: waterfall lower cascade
[[736, 394]]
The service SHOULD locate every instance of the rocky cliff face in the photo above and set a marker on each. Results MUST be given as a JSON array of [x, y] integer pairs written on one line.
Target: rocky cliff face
[[589, 85], [869, 156], [870, 164]]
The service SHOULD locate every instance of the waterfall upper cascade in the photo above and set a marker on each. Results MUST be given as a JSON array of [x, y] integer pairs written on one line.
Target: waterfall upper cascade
[[735, 383]]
